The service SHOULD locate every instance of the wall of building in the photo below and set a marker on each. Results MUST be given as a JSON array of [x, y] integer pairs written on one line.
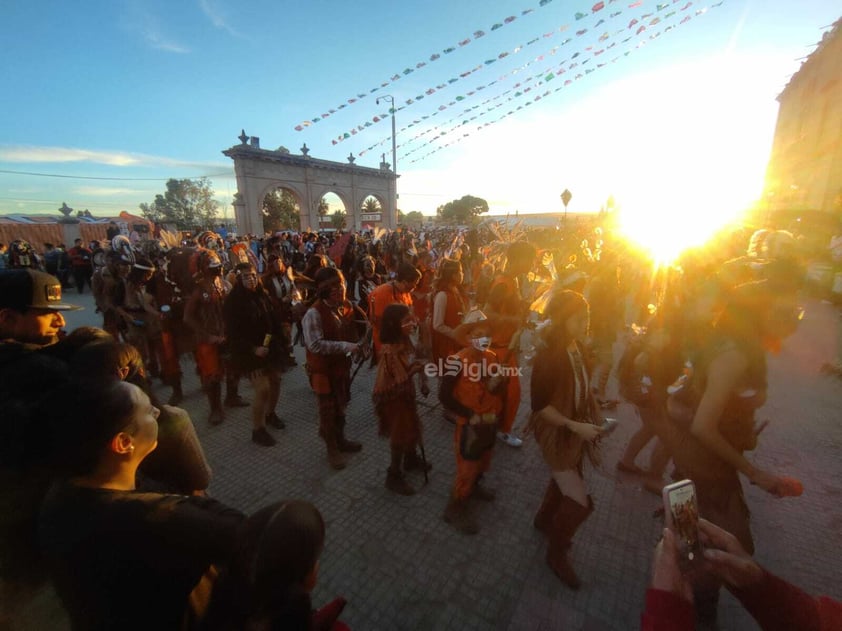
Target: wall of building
[[805, 168]]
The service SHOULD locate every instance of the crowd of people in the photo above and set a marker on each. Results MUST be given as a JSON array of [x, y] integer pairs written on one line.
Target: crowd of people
[[111, 494]]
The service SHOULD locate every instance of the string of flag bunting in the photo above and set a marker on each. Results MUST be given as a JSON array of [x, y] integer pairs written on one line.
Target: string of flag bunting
[[547, 74], [454, 140], [353, 131], [477, 34]]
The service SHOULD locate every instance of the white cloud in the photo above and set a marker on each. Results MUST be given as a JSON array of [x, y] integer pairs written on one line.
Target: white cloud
[[37, 154], [107, 191], [148, 26], [213, 12]]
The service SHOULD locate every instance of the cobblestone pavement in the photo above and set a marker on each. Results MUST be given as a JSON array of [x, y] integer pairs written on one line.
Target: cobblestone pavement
[[402, 567]]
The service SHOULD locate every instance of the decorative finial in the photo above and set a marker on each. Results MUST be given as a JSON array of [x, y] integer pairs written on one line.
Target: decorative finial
[[305, 149], [351, 158], [243, 137]]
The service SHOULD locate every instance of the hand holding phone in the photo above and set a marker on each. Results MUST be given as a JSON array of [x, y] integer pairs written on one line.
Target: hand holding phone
[[609, 425], [681, 509]]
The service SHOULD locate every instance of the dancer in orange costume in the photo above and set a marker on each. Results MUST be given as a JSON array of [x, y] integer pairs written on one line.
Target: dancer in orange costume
[[469, 392]]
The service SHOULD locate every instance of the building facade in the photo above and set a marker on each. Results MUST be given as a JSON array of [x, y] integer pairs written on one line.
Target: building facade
[[805, 167]]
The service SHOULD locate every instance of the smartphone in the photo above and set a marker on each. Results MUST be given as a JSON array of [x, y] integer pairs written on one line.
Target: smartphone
[[681, 509], [609, 425]]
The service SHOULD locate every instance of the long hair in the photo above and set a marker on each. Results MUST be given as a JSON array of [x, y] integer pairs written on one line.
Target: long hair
[[263, 586], [445, 273], [390, 330], [561, 306]]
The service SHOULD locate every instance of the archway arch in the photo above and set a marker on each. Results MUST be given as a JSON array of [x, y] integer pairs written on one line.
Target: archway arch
[[371, 211], [260, 171], [281, 209]]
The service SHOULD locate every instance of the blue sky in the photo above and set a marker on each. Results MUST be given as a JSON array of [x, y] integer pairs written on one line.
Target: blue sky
[[147, 90]]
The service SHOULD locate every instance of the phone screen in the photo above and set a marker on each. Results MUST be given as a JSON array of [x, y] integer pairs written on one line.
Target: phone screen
[[680, 499]]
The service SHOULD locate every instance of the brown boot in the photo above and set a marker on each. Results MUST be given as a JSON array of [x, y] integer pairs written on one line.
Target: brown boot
[[567, 518], [177, 395], [395, 480], [345, 445], [544, 517], [414, 462], [334, 456], [457, 515], [232, 394], [216, 415]]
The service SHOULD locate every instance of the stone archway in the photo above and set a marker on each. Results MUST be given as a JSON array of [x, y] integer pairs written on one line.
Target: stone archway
[[259, 171]]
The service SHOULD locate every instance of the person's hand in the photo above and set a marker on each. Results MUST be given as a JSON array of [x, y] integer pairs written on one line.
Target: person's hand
[[261, 351], [666, 574], [416, 367], [475, 419], [779, 486], [726, 559], [586, 431]]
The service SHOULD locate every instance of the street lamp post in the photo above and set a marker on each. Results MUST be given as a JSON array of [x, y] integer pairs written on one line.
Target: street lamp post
[[391, 100]]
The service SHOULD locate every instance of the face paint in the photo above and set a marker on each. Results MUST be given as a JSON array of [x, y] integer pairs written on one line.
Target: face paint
[[481, 343]]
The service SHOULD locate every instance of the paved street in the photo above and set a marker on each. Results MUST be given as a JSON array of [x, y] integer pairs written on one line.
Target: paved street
[[401, 567]]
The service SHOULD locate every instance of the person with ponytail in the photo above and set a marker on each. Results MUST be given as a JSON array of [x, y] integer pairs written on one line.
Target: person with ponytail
[[274, 567]]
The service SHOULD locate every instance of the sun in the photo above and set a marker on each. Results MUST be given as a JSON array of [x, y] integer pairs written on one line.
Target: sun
[[666, 227]]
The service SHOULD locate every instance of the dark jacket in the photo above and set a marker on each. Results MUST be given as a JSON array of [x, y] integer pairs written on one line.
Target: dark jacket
[[249, 317]]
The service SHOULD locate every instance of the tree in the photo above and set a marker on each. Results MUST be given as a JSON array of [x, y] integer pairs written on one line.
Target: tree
[[322, 208], [337, 219], [371, 205], [462, 211], [413, 218], [281, 211], [187, 203]]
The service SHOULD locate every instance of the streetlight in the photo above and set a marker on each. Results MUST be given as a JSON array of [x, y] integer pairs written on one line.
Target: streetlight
[[391, 100]]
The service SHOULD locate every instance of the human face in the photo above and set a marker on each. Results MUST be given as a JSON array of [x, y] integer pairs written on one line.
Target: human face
[[34, 326], [577, 325], [249, 279], [405, 286], [143, 424], [336, 291], [409, 324], [123, 269]]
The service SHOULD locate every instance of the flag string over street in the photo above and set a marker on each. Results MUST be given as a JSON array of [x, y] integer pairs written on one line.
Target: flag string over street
[[605, 36], [523, 89]]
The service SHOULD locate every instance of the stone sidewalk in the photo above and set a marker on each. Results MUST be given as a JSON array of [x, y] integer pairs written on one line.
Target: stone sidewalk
[[401, 567]]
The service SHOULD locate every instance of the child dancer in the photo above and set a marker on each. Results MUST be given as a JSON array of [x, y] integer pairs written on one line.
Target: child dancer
[[473, 394], [394, 396]]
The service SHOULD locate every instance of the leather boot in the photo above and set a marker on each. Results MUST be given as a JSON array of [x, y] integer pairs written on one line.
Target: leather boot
[[232, 396], [412, 461], [345, 445], [334, 456], [567, 518], [395, 480], [457, 515], [177, 395], [216, 415], [544, 517]]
